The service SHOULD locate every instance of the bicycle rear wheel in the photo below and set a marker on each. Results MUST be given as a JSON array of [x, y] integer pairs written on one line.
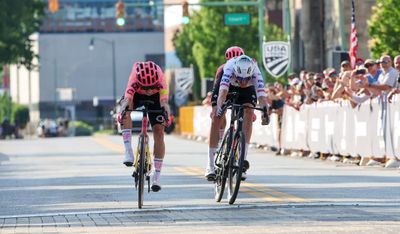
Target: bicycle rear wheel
[[141, 175], [220, 162], [235, 169]]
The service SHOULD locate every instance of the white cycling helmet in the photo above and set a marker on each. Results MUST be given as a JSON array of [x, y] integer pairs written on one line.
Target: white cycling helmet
[[244, 67]]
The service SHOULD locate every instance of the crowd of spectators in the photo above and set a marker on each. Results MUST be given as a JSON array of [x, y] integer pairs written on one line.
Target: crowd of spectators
[[370, 79]]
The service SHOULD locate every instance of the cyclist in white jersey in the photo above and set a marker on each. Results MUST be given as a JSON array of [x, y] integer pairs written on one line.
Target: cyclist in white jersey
[[242, 75]]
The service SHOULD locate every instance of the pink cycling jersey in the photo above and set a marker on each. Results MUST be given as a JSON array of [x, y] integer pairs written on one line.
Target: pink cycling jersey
[[134, 86]]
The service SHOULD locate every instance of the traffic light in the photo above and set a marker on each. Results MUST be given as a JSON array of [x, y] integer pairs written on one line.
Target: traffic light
[[120, 13], [53, 6], [185, 12]]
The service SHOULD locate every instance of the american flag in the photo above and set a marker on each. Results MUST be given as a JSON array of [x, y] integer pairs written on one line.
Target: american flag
[[353, 37]]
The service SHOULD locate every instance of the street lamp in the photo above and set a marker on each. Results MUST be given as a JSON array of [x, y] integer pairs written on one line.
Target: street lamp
[[112, 43]]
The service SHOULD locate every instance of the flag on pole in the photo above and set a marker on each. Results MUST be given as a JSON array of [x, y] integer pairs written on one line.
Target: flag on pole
[[353, 37]]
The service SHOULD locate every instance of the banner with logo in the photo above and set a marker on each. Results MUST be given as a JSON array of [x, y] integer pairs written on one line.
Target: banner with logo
[[276, 57], [184, 78]]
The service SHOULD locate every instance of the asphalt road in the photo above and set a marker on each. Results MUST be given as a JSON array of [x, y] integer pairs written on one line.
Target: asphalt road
[[80, 185]]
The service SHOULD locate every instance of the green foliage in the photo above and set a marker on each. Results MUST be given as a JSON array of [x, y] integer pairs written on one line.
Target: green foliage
[[17, 114], [82, 128], [204, 40], [384, 28], [5, 107], [19, 19], [20, 115]]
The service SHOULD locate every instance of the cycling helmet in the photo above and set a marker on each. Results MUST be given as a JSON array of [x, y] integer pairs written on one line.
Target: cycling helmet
[[147, 73], [233, 52], [244, 67]]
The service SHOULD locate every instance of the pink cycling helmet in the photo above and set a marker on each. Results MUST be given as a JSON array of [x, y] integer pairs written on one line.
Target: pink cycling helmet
[[147, 73], [233, 52]]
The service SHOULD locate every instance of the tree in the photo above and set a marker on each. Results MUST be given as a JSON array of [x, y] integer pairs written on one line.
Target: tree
[[19, 19], [204, 40], [5, 107], [20, 115], [384, 28]]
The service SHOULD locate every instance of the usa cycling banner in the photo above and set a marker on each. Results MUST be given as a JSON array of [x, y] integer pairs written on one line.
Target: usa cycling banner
[[276, 57]]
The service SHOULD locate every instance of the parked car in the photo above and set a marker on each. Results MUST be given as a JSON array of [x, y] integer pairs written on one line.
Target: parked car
[[47, 128]]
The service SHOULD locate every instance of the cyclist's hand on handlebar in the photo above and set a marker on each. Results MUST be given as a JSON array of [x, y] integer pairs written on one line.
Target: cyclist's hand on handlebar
[[121, 116], [220, 110], [168, 120]]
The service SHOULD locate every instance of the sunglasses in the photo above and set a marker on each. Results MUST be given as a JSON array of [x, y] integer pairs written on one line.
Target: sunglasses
[[383, 62], [153, 87], [241, 79]]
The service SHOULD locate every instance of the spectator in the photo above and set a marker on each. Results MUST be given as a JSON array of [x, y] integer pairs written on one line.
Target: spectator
[[388, 79], [318, 78], [303, 75], [329, 84], [291, 76], [327, 71], [359, 62], [207, 99], [345, 66], [274, 100], [357, 92], [373, 71], [397, 90], [340, 85]]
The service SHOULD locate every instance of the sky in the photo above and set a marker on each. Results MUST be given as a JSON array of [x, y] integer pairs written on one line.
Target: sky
[[172, 14]]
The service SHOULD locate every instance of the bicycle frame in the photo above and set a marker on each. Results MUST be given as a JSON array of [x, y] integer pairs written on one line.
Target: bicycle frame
[[229, 159], [236, 116]]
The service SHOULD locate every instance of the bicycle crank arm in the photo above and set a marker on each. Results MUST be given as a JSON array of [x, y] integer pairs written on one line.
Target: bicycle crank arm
[[148, 183]]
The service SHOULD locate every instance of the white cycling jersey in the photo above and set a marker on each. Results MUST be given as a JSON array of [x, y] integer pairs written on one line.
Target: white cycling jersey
[[229, 78]]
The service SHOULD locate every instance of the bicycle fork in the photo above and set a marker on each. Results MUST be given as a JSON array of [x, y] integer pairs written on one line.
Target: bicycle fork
[[147, 165]]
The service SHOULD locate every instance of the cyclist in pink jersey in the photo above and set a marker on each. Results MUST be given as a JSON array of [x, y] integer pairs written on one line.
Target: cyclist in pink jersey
[[146, 82]]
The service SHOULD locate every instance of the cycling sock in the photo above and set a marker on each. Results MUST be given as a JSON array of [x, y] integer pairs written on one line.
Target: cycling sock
[[127, 137], [211, 152], [157, 168]]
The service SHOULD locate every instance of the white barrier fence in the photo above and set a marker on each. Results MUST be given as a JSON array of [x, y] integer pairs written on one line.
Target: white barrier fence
[[371, 129], [265, 135]]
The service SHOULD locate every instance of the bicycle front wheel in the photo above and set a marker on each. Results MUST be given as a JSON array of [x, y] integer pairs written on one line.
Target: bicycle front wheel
[[220, 163], [141, 175], [235, 169]]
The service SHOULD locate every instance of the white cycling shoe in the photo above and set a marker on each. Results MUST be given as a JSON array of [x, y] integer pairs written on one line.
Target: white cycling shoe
[[128, 160], [155, 187], [210, 174]]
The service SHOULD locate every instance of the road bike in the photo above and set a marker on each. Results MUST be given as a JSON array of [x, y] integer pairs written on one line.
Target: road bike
[[142, 164], [229, 160]]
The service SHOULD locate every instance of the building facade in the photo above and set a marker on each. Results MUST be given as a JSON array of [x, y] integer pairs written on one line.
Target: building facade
[[69, 76], [316, 31]]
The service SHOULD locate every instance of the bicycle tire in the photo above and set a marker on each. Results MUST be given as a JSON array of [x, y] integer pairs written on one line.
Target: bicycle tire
[[236, 167], [142, 158], [220, 180]]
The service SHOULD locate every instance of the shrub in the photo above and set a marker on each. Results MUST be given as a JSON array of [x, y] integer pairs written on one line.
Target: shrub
[[20, 115], [82, 128]]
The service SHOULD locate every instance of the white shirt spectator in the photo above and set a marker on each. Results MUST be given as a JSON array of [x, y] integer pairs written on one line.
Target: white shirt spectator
[[389, 78]]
